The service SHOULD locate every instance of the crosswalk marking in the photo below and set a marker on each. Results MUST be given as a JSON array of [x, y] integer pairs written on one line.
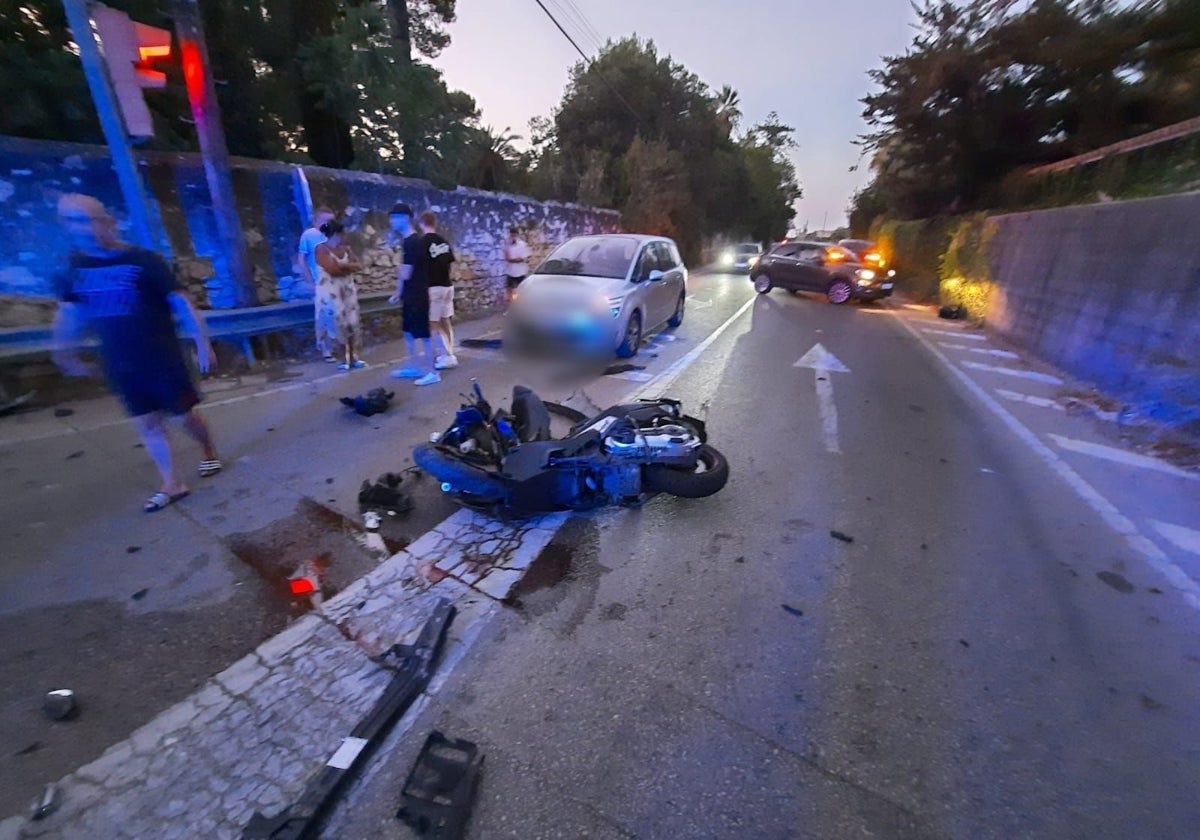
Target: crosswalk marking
[[1122, 456]]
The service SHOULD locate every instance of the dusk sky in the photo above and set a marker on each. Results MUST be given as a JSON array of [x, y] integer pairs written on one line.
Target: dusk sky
[[806, 60]]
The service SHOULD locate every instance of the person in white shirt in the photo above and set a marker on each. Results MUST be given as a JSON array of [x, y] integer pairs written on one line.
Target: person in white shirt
[[306, 255], [516, 260]]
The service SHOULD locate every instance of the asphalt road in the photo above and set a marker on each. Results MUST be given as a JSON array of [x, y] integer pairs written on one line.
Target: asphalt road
[[1006, 648], [988, 658]]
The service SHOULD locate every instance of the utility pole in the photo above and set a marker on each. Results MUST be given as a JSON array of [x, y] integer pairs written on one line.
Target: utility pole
[[148, 230], [202, 95]]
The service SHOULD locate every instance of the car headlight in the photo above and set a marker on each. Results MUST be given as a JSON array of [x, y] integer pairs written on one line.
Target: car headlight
[[727, 258], [865, 275]]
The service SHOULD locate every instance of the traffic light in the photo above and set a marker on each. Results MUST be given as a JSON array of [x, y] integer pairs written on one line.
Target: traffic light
[[130, 48]]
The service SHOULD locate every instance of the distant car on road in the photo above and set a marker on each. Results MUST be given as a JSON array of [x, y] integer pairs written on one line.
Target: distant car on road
[[599, 294], [740, 257], [832, 270]]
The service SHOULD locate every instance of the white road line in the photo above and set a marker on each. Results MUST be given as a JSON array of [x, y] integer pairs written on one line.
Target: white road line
[[1017, 372], [1040, 402], [699, 304], [1122, 456], [983, 351], [956, 334], [667, 378], [919, 307], [1188, 589], [1187, 539]]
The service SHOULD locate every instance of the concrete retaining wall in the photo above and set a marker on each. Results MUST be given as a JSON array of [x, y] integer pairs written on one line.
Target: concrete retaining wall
[[33, 174], [1109, 293]]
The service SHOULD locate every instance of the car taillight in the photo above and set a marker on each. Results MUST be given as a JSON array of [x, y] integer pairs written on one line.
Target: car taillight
[[873, 258]]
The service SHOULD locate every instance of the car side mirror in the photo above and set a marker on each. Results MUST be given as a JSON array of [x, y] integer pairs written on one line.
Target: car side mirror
[[655, 275]]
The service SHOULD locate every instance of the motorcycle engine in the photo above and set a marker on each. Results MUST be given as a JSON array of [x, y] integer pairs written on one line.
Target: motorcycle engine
[[657, 444]]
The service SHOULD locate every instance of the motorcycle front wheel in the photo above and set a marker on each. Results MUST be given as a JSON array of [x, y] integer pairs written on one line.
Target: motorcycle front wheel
[[708, 476]]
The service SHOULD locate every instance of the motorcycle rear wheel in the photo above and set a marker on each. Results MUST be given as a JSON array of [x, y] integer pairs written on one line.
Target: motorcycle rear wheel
[[710, 474]]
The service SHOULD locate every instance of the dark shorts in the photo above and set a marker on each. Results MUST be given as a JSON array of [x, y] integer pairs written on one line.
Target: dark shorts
[[414, 316], [150, 392], [513, 282]]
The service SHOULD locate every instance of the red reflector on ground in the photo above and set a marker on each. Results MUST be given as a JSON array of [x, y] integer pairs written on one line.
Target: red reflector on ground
[[302, 586]]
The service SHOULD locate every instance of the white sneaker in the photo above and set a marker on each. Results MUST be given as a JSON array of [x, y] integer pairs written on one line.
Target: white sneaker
[[431, 378], [446, 362]]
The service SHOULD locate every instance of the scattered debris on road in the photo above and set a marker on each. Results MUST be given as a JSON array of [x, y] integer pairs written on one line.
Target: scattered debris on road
[[385, 494], [60, 704], [63, 412], [953, 313], [14, 405], [437, 798], [133, 549], [139, 595], [46, 804], [413, 666], [838, 535], [790, 610], [76, 454], [376, 401], [483, 343]]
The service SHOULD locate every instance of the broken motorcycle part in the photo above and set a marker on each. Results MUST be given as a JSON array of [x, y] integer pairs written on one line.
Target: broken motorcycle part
[[437, 798], [413, 666], [46, 804]]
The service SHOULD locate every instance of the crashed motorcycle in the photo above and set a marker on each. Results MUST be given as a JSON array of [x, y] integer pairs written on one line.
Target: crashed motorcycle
[[507, 462]]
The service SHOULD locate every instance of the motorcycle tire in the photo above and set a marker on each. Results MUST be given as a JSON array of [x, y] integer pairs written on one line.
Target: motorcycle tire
[[689, 484]]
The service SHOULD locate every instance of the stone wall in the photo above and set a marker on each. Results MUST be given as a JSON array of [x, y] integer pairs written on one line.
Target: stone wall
[[33, 174], [1110, 293]]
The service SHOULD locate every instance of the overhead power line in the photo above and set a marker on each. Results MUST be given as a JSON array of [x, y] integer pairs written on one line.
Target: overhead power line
[[583, 23], [587, 60]]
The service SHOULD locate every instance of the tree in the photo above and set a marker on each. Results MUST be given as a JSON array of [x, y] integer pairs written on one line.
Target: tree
[[729, 112], [640, 132], [990, 86]]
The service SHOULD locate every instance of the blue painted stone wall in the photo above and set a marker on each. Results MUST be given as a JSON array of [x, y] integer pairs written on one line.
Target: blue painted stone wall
[[33, 174], [1110, 293]]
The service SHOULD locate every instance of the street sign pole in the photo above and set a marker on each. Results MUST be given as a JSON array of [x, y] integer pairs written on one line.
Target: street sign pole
[[148, 230], [202, 96]]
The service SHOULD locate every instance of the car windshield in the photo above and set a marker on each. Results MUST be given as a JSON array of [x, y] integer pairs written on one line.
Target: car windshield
[[747, 248], [592, 256]]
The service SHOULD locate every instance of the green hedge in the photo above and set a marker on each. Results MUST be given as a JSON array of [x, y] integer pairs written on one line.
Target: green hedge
[[940, 260]]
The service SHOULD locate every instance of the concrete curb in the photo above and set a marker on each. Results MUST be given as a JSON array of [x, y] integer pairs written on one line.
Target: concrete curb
[[251, 737]]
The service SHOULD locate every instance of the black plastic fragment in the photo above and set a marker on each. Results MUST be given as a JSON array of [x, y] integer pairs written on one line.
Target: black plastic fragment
[[438, 795]]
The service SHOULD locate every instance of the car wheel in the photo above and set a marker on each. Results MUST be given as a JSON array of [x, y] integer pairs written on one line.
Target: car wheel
[[762, 284], [677, 318], [840, 291], [633, 337], [709, 475]]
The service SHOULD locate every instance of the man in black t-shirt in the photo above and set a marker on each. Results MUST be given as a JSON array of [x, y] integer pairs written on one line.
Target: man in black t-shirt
[[130, 299], [412, 293], [438, 257]]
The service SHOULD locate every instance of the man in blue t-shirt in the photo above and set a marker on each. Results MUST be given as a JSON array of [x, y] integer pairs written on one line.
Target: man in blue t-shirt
[[129, 298], [412, 293]]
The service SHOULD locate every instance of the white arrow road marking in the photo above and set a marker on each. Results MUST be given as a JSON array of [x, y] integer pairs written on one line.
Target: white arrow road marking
[[1022, 374], [1121, 456], [983, 351], [823, 363], [699, 304], [956, 334], [1186, 538]]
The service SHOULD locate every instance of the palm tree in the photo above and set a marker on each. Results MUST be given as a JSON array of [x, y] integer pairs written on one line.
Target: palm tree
[[729, 111], [494, 155]]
